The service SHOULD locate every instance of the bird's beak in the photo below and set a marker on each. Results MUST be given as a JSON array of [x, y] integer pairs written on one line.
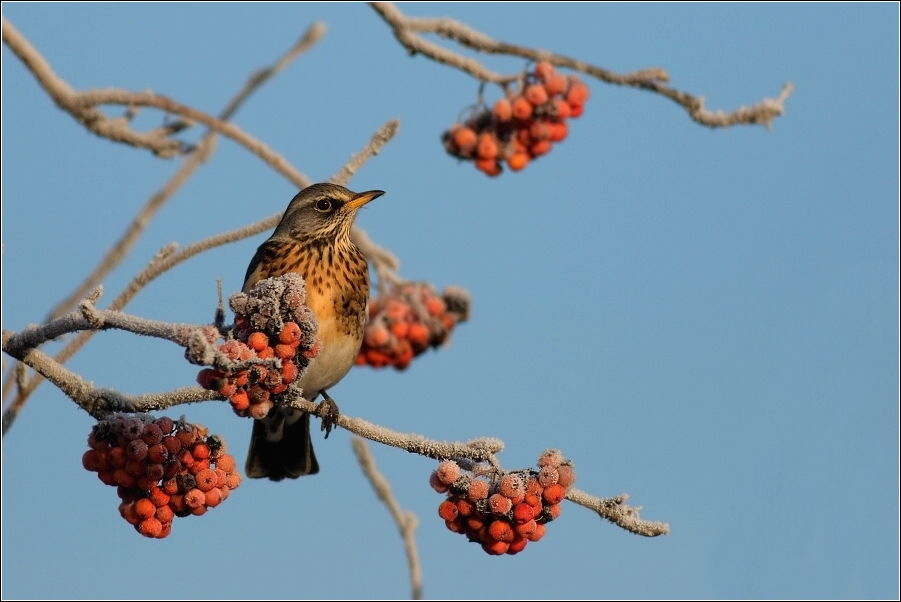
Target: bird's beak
[[362, 198]]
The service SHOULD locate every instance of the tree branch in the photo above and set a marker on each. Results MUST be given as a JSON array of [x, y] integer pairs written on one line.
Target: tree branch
[[406, 521], [617, 512], [652, 79]]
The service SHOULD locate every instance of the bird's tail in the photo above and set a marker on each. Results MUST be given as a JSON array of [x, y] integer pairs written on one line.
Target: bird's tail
[[290, 456]]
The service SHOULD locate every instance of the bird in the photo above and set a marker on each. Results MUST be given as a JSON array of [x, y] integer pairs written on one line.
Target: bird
[[313, 240]]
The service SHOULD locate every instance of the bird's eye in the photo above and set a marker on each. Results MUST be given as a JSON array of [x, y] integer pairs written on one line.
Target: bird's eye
[[323, 205]]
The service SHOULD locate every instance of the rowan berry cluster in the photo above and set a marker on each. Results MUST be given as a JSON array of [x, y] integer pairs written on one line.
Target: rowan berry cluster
[[408, 320], [160, 468], [521, 126], [505, 513], [271, 323]]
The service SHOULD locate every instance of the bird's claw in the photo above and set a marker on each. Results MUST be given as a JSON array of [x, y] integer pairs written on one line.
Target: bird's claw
[[328, 412]]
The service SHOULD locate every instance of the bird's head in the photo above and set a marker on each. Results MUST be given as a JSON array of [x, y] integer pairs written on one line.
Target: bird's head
[[323, 211]]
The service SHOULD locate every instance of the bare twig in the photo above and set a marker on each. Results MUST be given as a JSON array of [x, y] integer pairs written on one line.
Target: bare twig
[[406, 521], [617, 512], [167, 258], [379, 139], [82, 106], [204, 149], [652, 79]]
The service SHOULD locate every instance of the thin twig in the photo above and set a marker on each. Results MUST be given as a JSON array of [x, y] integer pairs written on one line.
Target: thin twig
[[406, 521], [167, 258], [617, 512], [204, 149], [652, 79], [82, 106]]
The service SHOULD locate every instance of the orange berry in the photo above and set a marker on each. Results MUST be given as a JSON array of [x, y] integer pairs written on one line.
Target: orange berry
[[511, 486], [285, 352], [496, 548], [501, 530], [199, 510], [240, 401], [91, 460], [548, 476], [555, 84], [499, 504], [465, 138], [478, 490], [232, 480], [198, 465], [544, 70], [566, 476], [137, 450], [127, 511], [436, 483], [213, 498], [487, 148], [164, 514], [206, 479], [290, 334], [536, 94], [200, 451], [418, 335], [456, 525], [435, 306], [577, 94], [265, 353], [448, 510], [518, 160], [503, 110], [165, 423], [240, 379], [490, 166], [523, 513], [150, 527], [448, 472], [550, 457], [289, 372], [205, 378], [558, 131], [152, 434], [257, 341], [517, 545], [144, 508], [173, 444], [465, 507], [554, 494], [107, 477], [539, 148], [399, 329], [522, 108], [154, 472], [538, 533], [186, 436], [226, 463], [576, 110], [194, 498], [525, 529], [475, 522], [554, 511], [158, 497], [314, 350]]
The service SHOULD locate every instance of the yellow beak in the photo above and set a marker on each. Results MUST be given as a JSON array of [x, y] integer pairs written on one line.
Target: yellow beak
[[362, 198]]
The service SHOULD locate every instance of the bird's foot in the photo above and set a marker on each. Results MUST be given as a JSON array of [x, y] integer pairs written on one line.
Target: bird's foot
[[328, 412]]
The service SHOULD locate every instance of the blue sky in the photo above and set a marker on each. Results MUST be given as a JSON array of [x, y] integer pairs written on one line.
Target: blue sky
[[705, 319]]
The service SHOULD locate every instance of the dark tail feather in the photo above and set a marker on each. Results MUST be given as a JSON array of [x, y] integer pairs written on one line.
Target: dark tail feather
[[292, 456]]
